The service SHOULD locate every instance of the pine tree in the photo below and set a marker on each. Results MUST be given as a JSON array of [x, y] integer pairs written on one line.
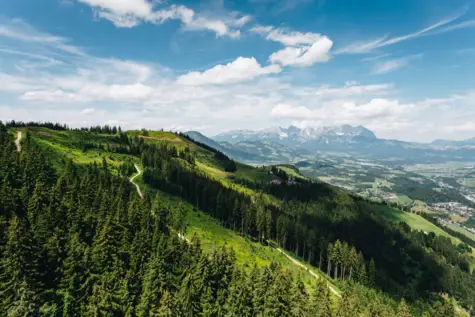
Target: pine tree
[[347, 306], [353, 261], [261, 289], [188, 297], [330, 258], [337, 257], [26, 304], [166, 306], [299, 299], [278, 302], [372, 273], [320, 303], [239, 300], [403, 309], [18, 270], [153, 284]]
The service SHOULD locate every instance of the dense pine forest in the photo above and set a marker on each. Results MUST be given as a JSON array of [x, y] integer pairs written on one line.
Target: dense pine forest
[[79, 241]]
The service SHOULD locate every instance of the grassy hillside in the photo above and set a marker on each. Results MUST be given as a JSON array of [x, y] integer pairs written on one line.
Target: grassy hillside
[[61, 145], [315, 208], [463, 231], [416, 222], [213, 235]]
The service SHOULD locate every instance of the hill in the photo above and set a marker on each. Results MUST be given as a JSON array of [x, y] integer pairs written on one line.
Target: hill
[[327, 227]]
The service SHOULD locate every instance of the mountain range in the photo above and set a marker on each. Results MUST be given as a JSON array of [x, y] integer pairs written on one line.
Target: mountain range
[[294, 144]]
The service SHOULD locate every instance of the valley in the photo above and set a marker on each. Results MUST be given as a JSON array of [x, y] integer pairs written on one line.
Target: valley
[[436, 178]]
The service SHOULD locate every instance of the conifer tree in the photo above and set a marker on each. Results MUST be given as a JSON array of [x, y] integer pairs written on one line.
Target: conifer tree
[[403, 309], [299, 299], [278, 301], [320, 303], [166, 306], [239, 300], [18, 270]]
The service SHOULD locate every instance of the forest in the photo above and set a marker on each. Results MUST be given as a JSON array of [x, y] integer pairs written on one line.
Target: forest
[[81, 242]]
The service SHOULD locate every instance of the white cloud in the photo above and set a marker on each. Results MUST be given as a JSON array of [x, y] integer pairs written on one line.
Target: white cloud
[[130, 13], [51, 61], [88, 111], [241, 21], [290, 112], [376, 108], [91, 92], [360, 47], [391, 65], [302, 49], [56, 95], [140, 8], [241, 69], [20, 31], [286, 37], [353, 90], [458, 26], [375, 58], [344, 112], [304, 56], [468, 126]]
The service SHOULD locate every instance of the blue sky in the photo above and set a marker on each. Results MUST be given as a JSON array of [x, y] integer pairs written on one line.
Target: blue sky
[[404, 69]]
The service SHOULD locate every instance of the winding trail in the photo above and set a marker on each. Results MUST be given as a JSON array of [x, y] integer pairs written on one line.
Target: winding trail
[[181, 236], [17, 141], [333, 290], [136, 185]]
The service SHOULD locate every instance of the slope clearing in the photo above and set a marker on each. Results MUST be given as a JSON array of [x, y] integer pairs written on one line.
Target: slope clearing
[[63, 145]]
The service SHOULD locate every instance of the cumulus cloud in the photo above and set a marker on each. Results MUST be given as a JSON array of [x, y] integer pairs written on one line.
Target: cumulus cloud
[[240, 70], [305, 55], [139, 8], [130, 13], [344, 112], [376, 108], [290, 112], [302, 49]]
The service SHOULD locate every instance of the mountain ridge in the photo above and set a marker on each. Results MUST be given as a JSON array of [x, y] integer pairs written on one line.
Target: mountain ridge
[[344, 139]]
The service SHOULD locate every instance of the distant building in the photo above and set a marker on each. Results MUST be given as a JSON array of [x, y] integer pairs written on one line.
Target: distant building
[[276, 182]]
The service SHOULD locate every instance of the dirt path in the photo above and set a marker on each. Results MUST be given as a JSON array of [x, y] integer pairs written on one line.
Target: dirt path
[[17, 141], [183, 238], [334, 291], [136, 185]]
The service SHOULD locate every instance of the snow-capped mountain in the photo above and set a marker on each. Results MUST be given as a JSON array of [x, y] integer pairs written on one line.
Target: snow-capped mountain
[[294, 136], [292, 144]]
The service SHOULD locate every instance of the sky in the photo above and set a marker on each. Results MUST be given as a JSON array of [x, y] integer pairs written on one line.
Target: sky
[[404, 69]]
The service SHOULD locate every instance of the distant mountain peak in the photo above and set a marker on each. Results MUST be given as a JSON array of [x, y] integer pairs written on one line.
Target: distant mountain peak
[[295, 136]]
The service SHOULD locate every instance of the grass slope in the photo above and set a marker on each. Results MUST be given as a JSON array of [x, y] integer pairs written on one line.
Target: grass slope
[[248, 252], [416, 222], [463, 231]]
